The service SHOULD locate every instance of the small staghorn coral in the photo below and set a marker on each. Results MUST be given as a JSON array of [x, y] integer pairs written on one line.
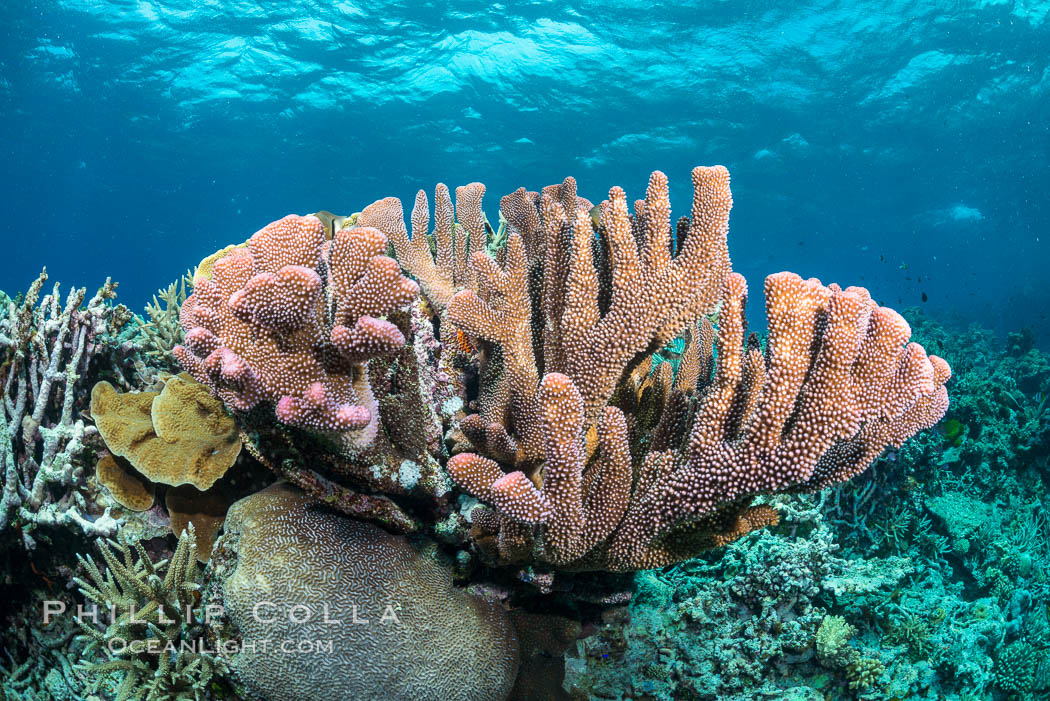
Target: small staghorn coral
[[152, 637], [163, 331]]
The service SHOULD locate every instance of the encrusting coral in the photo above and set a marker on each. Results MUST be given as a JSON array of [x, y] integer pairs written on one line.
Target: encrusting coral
[[556, 327], [753, 622]]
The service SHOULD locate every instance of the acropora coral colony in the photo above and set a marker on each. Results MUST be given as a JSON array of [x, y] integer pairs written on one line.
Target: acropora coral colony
[[538, 406]]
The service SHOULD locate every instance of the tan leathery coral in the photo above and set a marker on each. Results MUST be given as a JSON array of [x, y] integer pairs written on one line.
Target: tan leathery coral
[[193, 441]]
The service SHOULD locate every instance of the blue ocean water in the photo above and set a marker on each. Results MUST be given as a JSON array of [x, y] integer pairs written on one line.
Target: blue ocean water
[[897, 145]]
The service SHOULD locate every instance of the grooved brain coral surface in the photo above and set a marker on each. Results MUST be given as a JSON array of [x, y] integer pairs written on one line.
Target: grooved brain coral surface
[[287, 551]]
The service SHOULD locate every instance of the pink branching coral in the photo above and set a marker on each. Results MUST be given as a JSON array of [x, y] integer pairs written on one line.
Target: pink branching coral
[[837, 384], [537, 383], [291, 319], [598, 320], [439, 275]]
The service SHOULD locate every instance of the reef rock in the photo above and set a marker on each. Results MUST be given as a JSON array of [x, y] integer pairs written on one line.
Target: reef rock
[[340, 609]]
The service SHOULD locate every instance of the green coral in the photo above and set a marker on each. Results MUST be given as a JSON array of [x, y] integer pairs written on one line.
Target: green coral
[[863, 672], [832, 642], [1015, 667], [164, 331], [914, 633], [153, 638]]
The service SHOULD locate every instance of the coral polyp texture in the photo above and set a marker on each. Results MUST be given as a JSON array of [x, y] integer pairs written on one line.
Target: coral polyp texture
[[587, 370], [290, 319]]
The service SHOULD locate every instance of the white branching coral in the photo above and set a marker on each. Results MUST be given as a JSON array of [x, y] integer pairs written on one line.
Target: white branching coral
[[47, 346]]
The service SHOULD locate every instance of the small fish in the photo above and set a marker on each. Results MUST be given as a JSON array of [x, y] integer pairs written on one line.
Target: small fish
[[882, 258], [919, 278], [332, 222], [925, 298], [903, 266], [596, 215], [464, 342]]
